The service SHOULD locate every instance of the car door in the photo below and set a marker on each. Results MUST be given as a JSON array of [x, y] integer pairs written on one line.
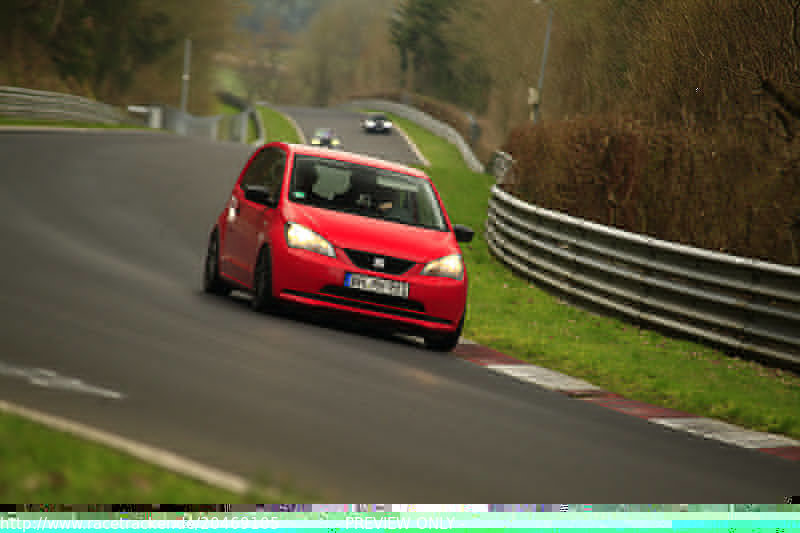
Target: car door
[[246, 221]]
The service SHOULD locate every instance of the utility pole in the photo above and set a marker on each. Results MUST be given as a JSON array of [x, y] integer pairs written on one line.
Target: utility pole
[[536, 99], [187, 61]]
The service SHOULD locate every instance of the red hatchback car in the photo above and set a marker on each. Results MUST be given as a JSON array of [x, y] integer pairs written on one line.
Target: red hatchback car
[[339, 231]]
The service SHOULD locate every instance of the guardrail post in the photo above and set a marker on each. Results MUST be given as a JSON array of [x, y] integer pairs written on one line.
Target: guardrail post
[[644, 287], [244, 123], [747, 321], [575, 252]]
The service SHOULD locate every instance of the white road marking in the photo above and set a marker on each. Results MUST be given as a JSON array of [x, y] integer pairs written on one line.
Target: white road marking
[[49, 379], [414, 148], [155, 456], [544, 377], [722, 431]]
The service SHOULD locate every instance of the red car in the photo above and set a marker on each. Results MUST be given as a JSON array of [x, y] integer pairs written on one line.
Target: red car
[[339, 231]]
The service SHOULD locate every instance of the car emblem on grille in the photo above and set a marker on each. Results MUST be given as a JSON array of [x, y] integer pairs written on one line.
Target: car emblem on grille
[[379, 262]]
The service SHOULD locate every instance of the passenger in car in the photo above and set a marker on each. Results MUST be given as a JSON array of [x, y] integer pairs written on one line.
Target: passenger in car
[[305, 178], [358, 196]]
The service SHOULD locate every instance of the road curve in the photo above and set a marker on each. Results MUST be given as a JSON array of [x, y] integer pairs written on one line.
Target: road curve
[[103, 235], [347, 124]]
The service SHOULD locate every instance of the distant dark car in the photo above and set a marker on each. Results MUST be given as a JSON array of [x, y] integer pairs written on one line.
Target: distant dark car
[[377, 124], [326, 137]]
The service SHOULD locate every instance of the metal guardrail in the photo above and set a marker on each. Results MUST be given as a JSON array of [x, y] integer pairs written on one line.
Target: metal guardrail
[[231, 128], [426, 121], [744, 304], [32, 104]]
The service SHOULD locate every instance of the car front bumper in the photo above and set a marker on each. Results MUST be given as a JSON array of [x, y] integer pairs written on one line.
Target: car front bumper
[[433, 304]]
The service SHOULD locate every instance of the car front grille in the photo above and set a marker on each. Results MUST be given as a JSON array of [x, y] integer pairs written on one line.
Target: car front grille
[[391, 265]]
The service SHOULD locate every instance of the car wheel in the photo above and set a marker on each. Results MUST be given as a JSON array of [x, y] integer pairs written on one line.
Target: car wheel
[[446, 342], [212, 282], [262, 283]]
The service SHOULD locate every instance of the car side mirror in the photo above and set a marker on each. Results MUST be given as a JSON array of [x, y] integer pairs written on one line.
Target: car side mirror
[[463, 233], [259, 194]]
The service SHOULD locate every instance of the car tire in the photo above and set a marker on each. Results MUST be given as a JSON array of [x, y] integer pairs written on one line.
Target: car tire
[[263, 299], [212, 282], [446, 342]]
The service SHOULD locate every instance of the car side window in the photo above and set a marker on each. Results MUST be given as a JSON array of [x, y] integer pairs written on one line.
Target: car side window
[[266, 171]]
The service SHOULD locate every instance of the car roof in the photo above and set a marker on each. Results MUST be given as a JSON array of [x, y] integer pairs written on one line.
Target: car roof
[[304, 149]]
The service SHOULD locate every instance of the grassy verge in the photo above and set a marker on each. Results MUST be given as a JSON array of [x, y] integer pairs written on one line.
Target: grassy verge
[[40, 464], [277, 126], [5, 121], [510, 314]]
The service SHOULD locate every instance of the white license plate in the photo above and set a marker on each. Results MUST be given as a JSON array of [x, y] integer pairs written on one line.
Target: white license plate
[[377, 285]]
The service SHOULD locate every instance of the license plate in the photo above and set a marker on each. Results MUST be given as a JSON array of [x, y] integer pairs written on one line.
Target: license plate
[[376, 285]]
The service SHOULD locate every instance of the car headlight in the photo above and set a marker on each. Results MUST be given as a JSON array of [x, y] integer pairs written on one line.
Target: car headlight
[[336, 142], [370, 123], [449, 266], [298, 236], [387, 124]]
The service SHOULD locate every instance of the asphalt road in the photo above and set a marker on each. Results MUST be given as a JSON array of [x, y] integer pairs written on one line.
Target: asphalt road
[[347, 125], [103, 236]]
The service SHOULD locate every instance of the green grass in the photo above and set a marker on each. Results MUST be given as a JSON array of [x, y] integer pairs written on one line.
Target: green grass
[[40, 464], [512, 315], [6, 121], [278, 126]]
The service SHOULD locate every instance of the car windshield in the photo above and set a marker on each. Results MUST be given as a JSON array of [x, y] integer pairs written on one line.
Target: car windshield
[[323, 133], [365, 191]]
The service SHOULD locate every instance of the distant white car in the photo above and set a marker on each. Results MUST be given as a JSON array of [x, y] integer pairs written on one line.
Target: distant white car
[[377, 124]]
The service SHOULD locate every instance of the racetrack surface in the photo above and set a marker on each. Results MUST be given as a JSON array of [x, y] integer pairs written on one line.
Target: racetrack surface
[[103, 237], [347, 125]]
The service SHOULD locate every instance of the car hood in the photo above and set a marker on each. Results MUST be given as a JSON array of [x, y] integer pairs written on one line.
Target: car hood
[[345, 230]]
